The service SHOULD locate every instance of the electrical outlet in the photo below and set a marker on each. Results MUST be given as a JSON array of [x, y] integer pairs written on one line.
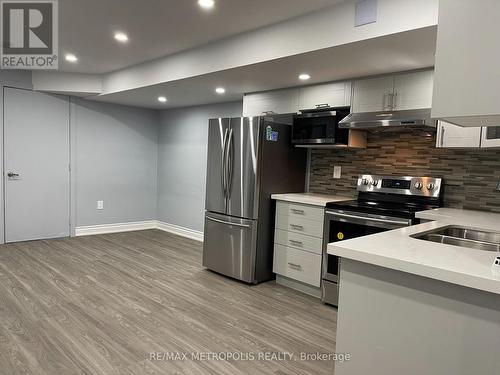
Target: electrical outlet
[[337, 171], [100, 205]]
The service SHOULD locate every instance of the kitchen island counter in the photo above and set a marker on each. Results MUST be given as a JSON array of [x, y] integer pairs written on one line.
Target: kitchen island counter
[[409, 306], [454, 264]]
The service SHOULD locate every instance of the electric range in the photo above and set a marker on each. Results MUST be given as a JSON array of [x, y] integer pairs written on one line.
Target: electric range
[[384, 203]]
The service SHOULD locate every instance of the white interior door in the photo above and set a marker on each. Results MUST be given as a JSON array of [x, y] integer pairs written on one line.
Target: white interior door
[[36, 165]]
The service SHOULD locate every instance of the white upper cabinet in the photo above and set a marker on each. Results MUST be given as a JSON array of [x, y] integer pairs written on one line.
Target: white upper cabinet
[[394, 93], [373, 94], [332, 94], [292, 100], [490, 136], [279, 101], [453, 136], [467, 67], [413, 90]]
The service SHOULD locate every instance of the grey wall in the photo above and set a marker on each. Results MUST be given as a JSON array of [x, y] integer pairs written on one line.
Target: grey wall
[[182, 159], [115, 157], [9, 78]]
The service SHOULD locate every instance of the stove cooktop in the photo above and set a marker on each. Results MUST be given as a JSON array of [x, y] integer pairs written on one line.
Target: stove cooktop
[[398, 196], [405, 210]]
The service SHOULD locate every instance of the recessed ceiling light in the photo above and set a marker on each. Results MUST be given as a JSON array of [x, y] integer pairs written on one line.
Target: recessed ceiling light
[[121, 37], [71, 58], [304, 77], [162, 99], [220, 90], [206, 4]]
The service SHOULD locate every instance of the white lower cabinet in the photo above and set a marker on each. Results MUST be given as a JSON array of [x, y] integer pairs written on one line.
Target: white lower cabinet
[[297, 264], [298, 243]]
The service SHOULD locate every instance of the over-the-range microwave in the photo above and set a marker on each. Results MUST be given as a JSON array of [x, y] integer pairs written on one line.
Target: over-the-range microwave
[[319, 126]]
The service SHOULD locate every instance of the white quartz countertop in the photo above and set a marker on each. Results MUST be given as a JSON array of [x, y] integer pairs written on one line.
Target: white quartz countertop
[[309, 198], [395, 249]]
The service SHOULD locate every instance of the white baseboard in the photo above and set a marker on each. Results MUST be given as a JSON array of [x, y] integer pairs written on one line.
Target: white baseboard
[[114, 228], [139, 225], [181, 231]]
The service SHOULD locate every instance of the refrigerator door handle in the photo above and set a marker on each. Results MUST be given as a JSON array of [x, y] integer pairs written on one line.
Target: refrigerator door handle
[[229, 163], [224, 177], [227, 222]]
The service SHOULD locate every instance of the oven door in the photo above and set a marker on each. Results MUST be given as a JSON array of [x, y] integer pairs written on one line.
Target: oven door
[[344, 225]]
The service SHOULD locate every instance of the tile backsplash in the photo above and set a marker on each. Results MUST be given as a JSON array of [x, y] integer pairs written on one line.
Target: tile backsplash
[[470, 176]]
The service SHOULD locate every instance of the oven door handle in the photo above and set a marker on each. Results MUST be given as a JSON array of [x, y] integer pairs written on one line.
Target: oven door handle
[[368, 219]]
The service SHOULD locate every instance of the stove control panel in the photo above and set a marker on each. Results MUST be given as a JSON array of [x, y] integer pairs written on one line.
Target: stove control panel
[[403, 185]]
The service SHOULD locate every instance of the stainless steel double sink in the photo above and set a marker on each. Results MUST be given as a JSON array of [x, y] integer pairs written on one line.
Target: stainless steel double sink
[[462, 236]]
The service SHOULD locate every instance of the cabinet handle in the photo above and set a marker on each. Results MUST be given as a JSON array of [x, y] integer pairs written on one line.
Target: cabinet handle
[[384, 102], [296, 227], [442, 135], [296, 211], [393, 100], [295, 266], [297, 243]]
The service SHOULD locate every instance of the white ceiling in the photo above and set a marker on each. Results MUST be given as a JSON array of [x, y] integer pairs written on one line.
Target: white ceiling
[[398, 52], [158, 28]]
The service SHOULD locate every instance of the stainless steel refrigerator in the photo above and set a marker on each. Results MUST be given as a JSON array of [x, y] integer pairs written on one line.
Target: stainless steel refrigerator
[[249, 159]]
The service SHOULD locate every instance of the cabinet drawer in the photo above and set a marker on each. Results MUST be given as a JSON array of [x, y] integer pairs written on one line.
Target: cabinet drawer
[[298, 241], [300, 210], [297, 264], [300, 225]]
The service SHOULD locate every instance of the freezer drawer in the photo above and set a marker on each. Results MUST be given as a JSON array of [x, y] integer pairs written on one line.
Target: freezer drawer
[[229, 246]]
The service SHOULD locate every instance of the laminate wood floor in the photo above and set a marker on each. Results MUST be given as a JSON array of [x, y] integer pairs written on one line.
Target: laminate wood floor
[[103, 304]]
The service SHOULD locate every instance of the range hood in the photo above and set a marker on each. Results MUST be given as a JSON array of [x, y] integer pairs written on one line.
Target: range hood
[[411, 119]]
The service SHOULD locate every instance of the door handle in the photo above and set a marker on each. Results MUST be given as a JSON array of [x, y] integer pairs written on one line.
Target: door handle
[[229, 163], [224, 177], [12, 174], [227, 222]]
